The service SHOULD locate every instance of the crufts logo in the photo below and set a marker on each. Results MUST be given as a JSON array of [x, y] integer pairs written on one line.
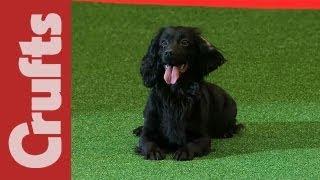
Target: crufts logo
[[46, 78]]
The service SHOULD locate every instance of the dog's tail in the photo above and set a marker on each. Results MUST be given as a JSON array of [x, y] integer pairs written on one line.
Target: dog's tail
[[237, 128]]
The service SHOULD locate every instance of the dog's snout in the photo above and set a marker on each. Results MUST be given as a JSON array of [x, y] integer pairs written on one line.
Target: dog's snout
[[168, 53]]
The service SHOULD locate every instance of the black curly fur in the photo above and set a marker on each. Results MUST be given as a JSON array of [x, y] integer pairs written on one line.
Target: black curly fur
[[183, 117]]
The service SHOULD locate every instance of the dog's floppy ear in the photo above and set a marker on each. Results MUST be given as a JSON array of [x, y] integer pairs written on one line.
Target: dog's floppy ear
[[150, 66], [209, 57]]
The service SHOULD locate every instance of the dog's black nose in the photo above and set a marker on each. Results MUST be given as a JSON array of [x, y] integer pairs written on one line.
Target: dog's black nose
[[168, 53]]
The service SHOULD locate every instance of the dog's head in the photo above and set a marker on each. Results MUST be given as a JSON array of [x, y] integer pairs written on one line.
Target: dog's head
[[178, 52]]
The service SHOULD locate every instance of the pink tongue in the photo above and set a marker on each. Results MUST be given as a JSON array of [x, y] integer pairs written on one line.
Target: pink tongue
[[171, 75]]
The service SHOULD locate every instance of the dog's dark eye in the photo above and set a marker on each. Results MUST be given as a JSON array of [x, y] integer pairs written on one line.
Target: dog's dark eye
[[164, 43], [184, 42]]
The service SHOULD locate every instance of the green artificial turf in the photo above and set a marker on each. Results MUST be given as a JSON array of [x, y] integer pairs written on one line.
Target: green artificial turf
[[273, 73]]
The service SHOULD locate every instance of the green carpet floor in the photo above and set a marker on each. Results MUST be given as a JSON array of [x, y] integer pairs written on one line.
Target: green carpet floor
[[273, 72]]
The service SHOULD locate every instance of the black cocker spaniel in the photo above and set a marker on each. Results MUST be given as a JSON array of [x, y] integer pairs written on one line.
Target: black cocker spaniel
[[183, 111]]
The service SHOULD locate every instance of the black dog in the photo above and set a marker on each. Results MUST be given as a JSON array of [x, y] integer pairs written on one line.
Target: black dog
[[183, 111]]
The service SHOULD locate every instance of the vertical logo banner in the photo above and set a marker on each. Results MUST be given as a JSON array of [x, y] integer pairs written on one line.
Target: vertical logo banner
[[35, 92]]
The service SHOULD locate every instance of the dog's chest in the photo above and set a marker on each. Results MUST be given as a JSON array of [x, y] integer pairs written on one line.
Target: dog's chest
[[177, 105], [175, 112]]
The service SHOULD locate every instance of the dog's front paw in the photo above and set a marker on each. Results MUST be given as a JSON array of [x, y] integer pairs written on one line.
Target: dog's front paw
[[150, 150], [183, 154], [155, 154]]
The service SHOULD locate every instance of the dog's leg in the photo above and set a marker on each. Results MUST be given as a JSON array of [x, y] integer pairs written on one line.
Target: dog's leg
[[197, 147], [150, 135]]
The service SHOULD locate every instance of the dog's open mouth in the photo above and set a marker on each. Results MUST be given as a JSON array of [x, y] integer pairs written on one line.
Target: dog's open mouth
[[172, 73]]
